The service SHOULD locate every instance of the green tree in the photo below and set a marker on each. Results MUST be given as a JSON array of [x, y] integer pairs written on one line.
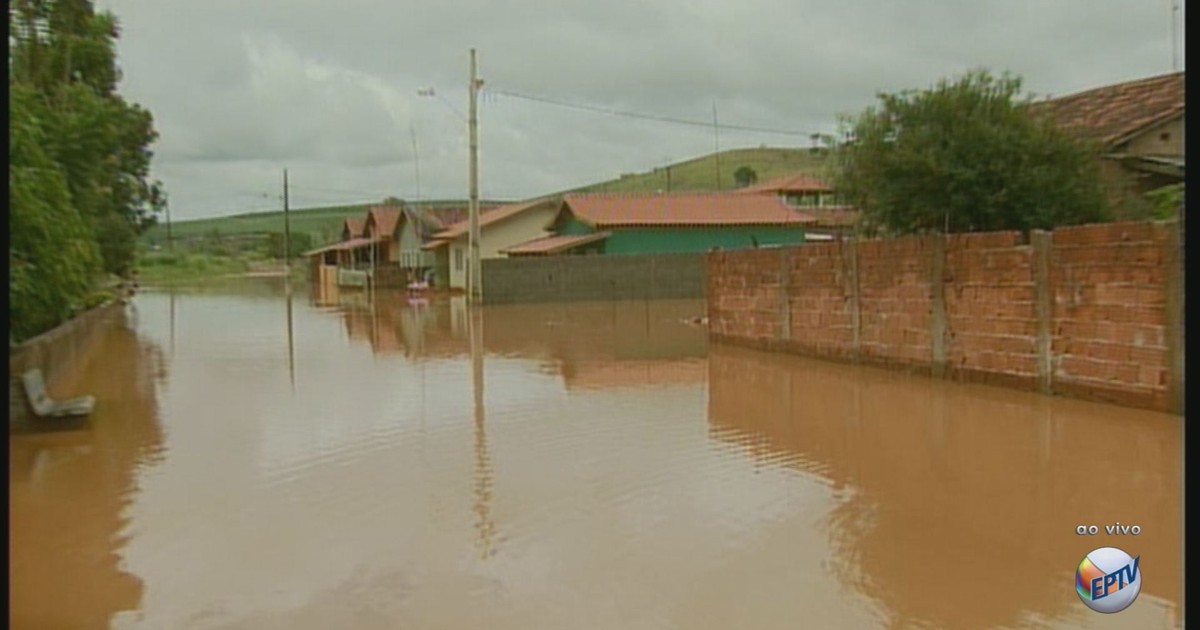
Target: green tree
[[52, 257], [66, 52], [745, 176], [298, 243], [965, 155]]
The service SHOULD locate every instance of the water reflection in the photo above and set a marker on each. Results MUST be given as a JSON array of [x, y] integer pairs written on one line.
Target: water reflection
[[958, 504], [68, 491], [581, 341], [608, 469], [483, 461]]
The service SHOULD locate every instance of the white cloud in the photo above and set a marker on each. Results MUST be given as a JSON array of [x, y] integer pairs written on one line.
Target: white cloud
[[331, 88]]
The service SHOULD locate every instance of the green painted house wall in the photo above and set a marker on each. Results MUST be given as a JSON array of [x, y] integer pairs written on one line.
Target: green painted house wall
[[664, 240]]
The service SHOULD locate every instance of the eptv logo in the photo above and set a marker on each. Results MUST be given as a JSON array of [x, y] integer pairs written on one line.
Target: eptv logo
[[1108, 580]]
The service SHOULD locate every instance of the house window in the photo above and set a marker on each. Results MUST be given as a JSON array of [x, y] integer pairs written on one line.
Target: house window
[[458, 259]]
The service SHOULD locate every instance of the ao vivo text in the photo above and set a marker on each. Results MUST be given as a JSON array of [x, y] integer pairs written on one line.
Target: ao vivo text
[[1116, 529]]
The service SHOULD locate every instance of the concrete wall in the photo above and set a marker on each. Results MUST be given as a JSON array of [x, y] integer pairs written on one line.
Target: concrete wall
[[569, 278], [1091, 311], [57, 353]]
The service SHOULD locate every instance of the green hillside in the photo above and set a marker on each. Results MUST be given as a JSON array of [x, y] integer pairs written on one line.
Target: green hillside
[[317, 222], [700, 174], [323, 224]]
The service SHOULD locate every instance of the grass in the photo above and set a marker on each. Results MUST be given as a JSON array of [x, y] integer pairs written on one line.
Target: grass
[[700, 174], [165, 268]]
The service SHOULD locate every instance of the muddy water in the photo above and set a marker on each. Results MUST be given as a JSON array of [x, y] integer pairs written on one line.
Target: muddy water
[[335, 463]]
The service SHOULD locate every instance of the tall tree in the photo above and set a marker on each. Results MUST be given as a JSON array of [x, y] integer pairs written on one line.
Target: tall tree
[[66, 52], [965, 155], [79, 160]]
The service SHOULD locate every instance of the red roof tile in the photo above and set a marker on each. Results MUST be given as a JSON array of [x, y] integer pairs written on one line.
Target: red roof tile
[[681, 209], [555, 244], [385, 218], [798, 183], [354, 225], [487, 218], [344, 245], [1112, 113]]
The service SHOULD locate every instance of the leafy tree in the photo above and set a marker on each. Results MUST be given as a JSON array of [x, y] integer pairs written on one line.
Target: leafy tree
[[298, 243], [66, 52], [745, 176], [965, 155], [52, 257]]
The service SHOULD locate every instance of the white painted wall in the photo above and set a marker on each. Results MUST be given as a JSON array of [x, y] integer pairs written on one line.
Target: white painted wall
[[505, 233]]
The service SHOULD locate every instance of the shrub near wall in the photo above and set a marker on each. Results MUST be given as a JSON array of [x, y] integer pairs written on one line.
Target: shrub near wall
[[1092, 311]]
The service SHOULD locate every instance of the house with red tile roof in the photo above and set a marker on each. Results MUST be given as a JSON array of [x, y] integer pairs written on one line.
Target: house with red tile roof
[[811, 196], [499, 228], [655, 223], [1138, 124]]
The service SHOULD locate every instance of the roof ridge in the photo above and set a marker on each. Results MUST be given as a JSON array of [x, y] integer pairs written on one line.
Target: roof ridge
[[1114, 86]]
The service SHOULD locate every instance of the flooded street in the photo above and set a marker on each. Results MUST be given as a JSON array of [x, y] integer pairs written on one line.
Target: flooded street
[[330, 462]]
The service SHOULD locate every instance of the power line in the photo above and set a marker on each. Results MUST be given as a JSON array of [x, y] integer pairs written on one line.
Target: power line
[[644, 116]]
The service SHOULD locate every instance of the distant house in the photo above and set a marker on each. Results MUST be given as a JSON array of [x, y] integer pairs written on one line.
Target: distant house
[[1139, 125], [499, 228], [655, 223], [800, 191], [814, 197]]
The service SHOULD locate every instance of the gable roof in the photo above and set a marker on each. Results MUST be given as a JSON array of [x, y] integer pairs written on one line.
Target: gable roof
[[385, 218], [1112, 113], [355, 225], [798, 183], [554, 244], [681, 209], [494, 215]]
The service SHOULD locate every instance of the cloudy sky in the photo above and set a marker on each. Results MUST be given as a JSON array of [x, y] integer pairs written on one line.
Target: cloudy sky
[[329, 90]]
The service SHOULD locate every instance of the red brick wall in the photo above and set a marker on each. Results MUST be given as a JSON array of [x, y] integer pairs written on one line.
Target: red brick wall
[[1109, 318], [991, 316], [1106, 319], [896, 300], [820, 298]]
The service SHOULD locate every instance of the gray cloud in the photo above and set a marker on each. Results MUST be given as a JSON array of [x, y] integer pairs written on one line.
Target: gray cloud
[[329, 90]]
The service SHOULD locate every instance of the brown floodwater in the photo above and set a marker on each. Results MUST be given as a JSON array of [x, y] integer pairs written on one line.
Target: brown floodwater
[[332, 461]]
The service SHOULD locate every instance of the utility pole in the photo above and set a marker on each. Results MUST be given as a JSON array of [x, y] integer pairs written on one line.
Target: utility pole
[[474, 266], [1175, 35], [412, 130], [717, 136], [170, 240], [287, 230]]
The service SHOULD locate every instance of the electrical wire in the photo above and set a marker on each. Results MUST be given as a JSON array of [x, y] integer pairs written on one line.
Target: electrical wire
[[655, 117]]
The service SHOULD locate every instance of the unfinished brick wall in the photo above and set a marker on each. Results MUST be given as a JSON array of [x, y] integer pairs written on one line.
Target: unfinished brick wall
[[991, 315], [822, 305], [1110, 293], [1091, 311], [896, 300], [748, 300]]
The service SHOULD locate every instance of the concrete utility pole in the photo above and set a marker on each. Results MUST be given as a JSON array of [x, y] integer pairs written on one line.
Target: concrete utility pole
[[474, 265], [170, 241], [287, 230]]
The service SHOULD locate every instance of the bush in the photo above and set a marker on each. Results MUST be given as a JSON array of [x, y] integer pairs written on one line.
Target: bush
[[966, 156]]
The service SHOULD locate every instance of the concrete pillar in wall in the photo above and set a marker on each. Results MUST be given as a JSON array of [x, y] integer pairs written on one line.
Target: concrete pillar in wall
[[855, 298], [1173, 320], [1043, 242], [785, 293], [937, 284]]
